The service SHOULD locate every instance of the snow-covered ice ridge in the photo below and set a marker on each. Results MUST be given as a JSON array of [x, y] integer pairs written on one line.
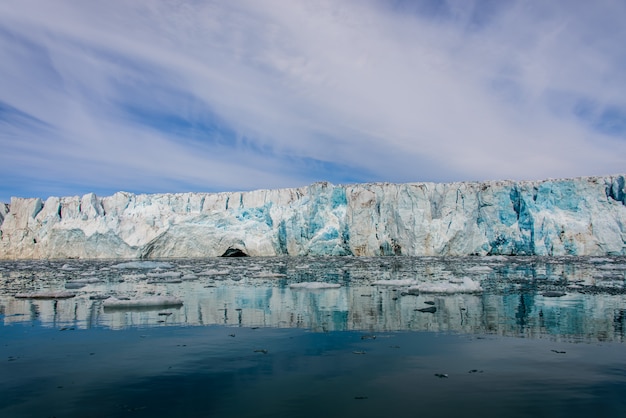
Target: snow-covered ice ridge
[[581, 216]]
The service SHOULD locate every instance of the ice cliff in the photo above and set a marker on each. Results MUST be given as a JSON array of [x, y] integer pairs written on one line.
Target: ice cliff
[[582, 216]]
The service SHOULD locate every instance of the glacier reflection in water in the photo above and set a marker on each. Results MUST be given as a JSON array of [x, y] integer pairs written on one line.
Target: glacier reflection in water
[[567, 298], [310, 337]]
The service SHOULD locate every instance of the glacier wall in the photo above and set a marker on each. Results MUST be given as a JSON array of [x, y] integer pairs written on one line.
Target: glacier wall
[[581, 216]]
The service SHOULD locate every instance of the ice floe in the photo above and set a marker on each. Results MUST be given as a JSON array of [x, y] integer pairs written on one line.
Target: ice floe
[[143, 265], [67, 267], [213, 272], [87, 280], [167, 275], [479, 269], [143, 302], [269, 275], [398, 282], [314, 285], [47, 294], [460, 285]]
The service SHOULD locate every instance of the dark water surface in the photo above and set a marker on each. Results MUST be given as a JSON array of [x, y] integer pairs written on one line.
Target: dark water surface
[[538, 338]]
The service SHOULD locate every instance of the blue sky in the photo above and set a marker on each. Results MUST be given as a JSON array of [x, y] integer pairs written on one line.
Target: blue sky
[[173, 96]]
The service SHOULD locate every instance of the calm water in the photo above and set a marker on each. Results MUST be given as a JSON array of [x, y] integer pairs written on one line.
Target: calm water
[[540, 337]]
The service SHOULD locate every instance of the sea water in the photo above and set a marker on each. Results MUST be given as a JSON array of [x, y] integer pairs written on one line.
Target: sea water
[[309, 337]]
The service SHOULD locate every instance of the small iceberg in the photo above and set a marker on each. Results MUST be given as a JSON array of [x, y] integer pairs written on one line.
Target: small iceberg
[[314, 285], [87, 280], [67, 267], [164, 281], [50, 294], [143, 265], [213, 272], [166, 275], [463, 285], [269, 275], [398, 282], [479, 269], [144, 302], [99, 297], [74, 285]]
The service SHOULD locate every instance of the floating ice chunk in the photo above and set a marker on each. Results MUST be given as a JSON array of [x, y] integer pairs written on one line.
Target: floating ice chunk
[[189, 277], [398, 282], [213, 272], [612, 267], [269, 275], [67, 267], [600, 260], [143, 265], [167, 275], [496, 258], [145, 302], [133, 276], [462, 285], [479, 269], [50, 294], [165, 280], [74, 285], [99, 297], [314, 285], [87, 280]]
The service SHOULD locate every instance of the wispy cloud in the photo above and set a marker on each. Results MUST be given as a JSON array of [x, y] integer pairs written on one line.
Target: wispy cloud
[[176, 96]]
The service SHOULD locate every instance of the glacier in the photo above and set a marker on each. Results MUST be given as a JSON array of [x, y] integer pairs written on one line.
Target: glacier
[[578, 216]]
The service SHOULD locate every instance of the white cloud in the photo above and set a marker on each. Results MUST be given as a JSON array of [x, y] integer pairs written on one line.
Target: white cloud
[[462, 92]]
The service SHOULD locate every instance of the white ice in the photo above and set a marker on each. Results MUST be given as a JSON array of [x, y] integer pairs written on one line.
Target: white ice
[[49, 294], [143, 265], [398, 282], [463, 285], [147, 301], [314, 285]]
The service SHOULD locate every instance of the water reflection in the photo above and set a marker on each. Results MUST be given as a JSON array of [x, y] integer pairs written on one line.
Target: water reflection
[[566, 298]]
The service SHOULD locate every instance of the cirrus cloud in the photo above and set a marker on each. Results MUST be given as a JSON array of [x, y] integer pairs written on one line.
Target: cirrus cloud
[[162, 96]]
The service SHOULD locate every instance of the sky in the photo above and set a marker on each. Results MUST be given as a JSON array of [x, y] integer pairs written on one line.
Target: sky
[[158, 96]]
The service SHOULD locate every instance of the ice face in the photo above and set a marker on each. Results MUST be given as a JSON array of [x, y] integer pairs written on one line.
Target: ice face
[[583, 216]]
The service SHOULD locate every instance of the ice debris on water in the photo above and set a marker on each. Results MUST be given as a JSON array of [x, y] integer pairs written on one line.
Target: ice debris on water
[[462, 285], [314, 285], [397, 282], [166, 275], [89, 280], [50, 294], [67, 267], [74, 285], [148, 301], [143, 265], [479, 269], [213, 272], [269, 275]]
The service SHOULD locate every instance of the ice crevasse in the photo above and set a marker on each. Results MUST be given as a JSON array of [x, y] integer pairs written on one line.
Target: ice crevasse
[[579, 216]]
